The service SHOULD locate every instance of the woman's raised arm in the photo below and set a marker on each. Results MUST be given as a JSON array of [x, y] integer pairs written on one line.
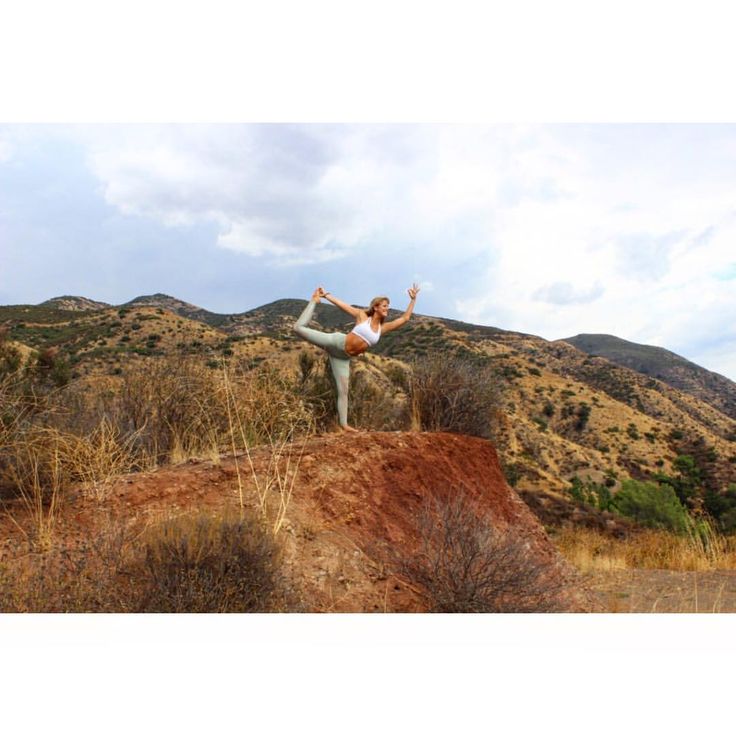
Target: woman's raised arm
[[388, 326], [352, 311]]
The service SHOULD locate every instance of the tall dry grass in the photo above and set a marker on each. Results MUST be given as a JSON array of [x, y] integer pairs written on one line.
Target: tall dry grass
[[165, 411], [267, 413], [700, 550]]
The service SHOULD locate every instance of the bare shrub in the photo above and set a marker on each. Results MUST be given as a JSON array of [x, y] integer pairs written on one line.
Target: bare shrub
[[373, 404], [169, 404], [203, 564], [466, 565], [452, 394], [97, 458]]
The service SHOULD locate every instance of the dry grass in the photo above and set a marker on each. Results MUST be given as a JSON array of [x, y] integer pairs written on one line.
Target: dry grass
[[89, 576], [41, 464], [591, 551], [35, 466], [201, 563], [268, 412], [448, 393], [96, 459], [166, 410]]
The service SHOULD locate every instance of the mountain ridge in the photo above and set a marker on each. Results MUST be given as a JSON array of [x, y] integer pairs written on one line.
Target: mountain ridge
[[664, 365]]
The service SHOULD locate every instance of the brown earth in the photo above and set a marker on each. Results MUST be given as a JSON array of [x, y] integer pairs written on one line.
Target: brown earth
[[353, 495]]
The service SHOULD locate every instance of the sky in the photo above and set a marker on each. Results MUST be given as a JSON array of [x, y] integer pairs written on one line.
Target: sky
[[552, 230]]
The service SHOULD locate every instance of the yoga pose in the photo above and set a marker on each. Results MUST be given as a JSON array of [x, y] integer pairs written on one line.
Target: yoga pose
[[340, 348]]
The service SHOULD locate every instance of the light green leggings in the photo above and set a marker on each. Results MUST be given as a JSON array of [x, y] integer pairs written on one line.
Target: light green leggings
[[334, 345]]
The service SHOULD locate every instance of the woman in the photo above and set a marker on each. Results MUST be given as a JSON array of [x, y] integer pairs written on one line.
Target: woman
[[340, 348]]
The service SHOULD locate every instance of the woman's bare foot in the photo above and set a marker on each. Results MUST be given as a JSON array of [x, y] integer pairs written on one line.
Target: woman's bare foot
[[347, 428]]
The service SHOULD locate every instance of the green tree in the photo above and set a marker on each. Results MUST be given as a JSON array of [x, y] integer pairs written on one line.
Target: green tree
[[688, 482], [654, 505]]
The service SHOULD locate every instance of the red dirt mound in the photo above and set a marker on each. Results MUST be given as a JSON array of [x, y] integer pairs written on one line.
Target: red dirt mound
[[351, 494]]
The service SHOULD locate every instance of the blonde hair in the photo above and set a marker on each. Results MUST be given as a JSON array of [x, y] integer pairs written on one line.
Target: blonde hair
[[374, 303]]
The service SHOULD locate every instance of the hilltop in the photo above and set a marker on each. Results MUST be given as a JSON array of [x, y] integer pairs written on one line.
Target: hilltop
[[179, 307], [74, 304]]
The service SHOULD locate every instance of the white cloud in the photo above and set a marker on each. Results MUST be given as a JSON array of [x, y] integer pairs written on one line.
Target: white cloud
[[620, 229], [309, 193], [563, 292]]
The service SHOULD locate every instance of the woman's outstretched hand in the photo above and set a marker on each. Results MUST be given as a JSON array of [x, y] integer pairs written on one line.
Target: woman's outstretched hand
[[413, 291]]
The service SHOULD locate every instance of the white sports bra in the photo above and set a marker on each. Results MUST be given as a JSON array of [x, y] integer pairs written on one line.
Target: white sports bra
[[364, 331]]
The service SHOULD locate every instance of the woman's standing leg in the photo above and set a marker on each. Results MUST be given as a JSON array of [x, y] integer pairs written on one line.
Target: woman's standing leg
[[341, 372]]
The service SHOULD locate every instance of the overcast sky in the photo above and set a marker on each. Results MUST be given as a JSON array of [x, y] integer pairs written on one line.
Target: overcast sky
[[552, 230]]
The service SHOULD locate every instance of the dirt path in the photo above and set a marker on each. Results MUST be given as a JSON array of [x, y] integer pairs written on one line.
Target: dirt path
[[665, 591]]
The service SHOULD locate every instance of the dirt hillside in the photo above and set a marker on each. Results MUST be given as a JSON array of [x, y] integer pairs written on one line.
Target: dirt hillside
[[352, 495]]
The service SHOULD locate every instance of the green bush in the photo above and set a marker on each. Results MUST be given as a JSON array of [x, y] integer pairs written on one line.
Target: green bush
[[651, 504], [722, 507], [688, 481], [582, 414], [591, 493]]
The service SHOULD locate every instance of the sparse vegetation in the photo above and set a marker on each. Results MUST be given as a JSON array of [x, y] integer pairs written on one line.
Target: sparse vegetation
[[201, 563], [453, 395], [466, 565], [85, 396], [205, 564]]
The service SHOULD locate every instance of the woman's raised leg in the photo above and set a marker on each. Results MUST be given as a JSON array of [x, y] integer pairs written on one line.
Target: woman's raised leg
[[322, 339], [334, 344]]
